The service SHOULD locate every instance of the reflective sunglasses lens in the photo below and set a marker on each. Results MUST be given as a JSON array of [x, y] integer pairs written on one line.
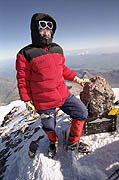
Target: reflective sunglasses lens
[[50, 25], [43, 24]]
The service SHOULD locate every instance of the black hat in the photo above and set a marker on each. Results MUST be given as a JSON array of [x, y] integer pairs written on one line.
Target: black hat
[[35, 24]]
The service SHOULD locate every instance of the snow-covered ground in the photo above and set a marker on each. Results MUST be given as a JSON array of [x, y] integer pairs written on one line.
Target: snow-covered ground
[[116, 92], [6, 109], [15, 163]]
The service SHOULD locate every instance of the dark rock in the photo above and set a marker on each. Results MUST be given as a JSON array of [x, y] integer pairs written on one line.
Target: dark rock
[[4, 151], [98, 96], [8, 116]]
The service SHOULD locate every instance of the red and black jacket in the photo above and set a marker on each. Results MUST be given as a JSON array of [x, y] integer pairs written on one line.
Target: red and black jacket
[[41, 73]]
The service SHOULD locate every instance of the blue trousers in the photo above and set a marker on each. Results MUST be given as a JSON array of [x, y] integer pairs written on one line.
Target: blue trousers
[[72, 106]]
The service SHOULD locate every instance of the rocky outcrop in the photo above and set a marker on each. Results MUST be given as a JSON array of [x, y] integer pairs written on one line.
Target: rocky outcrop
[[98, 96]]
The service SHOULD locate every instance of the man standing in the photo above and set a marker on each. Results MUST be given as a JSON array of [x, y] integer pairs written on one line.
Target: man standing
[[40, 74]]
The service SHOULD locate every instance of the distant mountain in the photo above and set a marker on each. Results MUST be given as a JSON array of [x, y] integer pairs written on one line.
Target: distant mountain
[[7, 68], [112, 76], [8, 90], [99, 62], [94, 61], [100, 59], [99, 50]]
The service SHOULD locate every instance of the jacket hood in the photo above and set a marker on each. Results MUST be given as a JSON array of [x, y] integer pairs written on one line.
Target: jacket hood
[[35, 23]]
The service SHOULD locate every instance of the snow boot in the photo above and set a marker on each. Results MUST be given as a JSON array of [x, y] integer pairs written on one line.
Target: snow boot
[[72, 133], [52, 149], [72, 138], [32, 149], [79, 146]]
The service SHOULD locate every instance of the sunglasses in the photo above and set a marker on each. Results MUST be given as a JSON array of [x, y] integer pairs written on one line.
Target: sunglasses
[[45, 24]]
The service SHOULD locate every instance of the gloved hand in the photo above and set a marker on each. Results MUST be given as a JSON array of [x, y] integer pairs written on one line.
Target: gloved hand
[[30, 107], [80, 81]]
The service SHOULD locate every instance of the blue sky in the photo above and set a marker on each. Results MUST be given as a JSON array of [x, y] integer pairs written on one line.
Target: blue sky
[[80, 23]]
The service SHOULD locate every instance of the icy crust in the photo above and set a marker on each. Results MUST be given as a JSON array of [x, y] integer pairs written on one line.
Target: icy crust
[[21, 130], [6, 109]]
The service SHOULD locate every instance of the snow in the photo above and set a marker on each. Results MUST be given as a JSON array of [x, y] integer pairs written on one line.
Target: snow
[[6, 109], [116, 92], [98, 165]]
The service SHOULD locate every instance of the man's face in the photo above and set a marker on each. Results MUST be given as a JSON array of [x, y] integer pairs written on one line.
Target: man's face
[[45, 31]]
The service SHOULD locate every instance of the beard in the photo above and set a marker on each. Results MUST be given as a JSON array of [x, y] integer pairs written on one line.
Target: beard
[[45, 41]]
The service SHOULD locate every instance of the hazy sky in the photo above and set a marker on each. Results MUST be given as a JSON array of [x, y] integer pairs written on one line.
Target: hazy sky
[[80, 23]]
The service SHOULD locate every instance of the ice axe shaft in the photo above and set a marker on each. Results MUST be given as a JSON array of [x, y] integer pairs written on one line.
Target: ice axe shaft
[[83, 74]]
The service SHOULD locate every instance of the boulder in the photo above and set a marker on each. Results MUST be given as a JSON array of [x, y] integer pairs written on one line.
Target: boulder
[[98, 96]]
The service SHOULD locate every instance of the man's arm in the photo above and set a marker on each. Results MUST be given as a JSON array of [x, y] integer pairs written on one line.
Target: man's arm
[[72, 76], [23, 77], [68, 74]]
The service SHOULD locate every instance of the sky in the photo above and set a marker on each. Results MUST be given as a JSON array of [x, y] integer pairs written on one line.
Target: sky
[[81, 24]]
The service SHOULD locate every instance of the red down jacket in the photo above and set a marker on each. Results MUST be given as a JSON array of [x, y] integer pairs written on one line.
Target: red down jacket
[[42, 78], [40, 75]]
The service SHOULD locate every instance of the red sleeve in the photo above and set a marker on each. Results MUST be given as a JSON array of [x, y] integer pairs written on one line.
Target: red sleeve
[[23, 77], [68, 73]]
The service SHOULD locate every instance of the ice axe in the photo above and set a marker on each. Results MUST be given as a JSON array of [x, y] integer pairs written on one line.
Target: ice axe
[[83, 74], [82, 80]]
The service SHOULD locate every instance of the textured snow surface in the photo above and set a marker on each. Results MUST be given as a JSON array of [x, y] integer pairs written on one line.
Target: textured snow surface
[[98, 165]]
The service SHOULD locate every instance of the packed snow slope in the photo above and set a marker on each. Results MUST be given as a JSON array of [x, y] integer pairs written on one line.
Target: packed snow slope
[[20, 129]]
